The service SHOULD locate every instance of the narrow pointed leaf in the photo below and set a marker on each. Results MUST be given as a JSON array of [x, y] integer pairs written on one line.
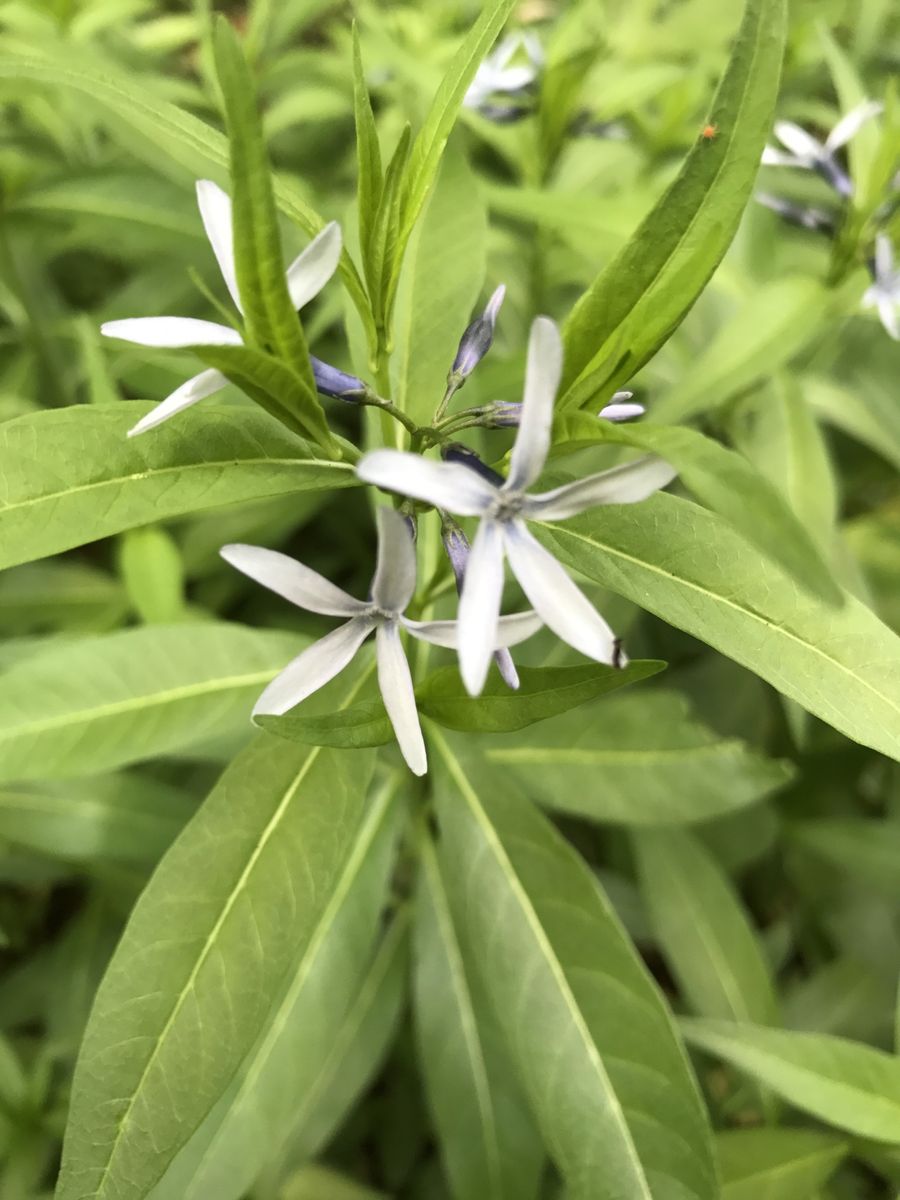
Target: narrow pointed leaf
[[360, 725], [368, 152], [779, 1164]]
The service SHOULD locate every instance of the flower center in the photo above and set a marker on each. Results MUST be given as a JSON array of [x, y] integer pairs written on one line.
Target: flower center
[[507, 506]]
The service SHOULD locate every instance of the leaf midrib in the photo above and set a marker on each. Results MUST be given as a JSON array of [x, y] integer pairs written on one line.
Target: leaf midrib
[[597, 758]]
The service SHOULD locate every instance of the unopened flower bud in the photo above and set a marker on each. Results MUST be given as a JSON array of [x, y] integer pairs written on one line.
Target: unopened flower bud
[[332, 382], [456, 452], [476, 341], [619, 409]]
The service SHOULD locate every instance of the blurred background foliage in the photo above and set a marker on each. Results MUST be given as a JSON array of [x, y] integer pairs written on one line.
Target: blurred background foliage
[[98, 221]]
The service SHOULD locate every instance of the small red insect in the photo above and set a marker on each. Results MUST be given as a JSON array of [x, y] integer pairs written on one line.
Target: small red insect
[[709, 132]]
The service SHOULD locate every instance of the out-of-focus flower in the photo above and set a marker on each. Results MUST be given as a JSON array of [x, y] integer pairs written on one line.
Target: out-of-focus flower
[[510, 70], [884, 293], [803, 215], [804, 150]]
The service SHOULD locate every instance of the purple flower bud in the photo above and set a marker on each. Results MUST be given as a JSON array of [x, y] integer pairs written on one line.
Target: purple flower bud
[[332, 382], [504, 414], [455, 452], [476, 341], [456, 547]]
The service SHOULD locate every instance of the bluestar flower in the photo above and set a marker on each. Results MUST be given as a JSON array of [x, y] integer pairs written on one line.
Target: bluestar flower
[[511, 68], [884, 294], [306, 276], [476, 341], [803, 215], [505, 507], [392, 589], [803, 150]]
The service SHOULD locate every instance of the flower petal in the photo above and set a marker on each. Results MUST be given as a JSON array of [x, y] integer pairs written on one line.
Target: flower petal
[[479, 605], [215, 210], [884, 259], [627, 484], [173, 333], [446, 485], [197, 388], [621, 412], [773, 157], [799, 142], [316, 666], [887, 311], [287, 577], [395, 572], [511, 630], [311, 270], [542, 375], [564, 608], [396, 686], [848, 126]]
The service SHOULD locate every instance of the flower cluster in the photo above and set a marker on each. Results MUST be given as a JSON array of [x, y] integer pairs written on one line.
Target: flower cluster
[[460, 485]]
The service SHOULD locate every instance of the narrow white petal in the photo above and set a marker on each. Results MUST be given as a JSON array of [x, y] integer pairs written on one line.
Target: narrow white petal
[[197, 388], [511, 630], [396, 686], [849, 125], [621, 412], [395, 572], [311, 270], [215, 209], [542, 374], [438, 633], [798, 141], [627, 484], [479, 605], [871, 296], [563, 607], [884, 258], [887, 310], [772, 157], [171, 332], [316, 666], [517, 627], [452, 486], [287, 577]]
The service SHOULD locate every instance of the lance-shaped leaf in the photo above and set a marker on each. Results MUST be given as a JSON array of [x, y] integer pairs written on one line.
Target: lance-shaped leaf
[[640, 759], [209, 947], [644, 293], [725, 481], [868, 851], [71, 476], [157, 131], [370, 177], [488, 1142], [702, 928], [690, 568], [779, 1164], [253, 1125], [586, 1028], [843, 1083], [86, 707]]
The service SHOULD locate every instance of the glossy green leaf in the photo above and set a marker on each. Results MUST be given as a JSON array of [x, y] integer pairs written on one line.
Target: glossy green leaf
[[723, 480], [776, 1164], [586, 1028], [644, 293], [253, 1125], [232, 909], [684, 564], [868, 851], [703, 929], [637, 760], [765, 333], [441, 281], [843, 1083], [83, 708], [71, 476], [487, 1140]]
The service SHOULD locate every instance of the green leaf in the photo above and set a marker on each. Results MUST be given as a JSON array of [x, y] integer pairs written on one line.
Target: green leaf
[[368, 153], [117, 818], [724, 481], [703, 929], [866, 850], [359, 726], [637, 760], [587, 1031], [776, 321], [441, 281], [428, 147], [86, 707], [154, 127], [778, 1164], [71, 476], [684, 564], [153, 574], [644, 293], [543, 692], [383, 246], [59, 596], [231, 910], [843, 1083], [488, 1144], [254, 1123], [321, 1183]]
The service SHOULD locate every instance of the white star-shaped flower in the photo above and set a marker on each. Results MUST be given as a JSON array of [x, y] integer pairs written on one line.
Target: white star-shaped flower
[[803, 150], [504, 508], [512, 67], [884, 294], [392, 589], [306, 276]]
